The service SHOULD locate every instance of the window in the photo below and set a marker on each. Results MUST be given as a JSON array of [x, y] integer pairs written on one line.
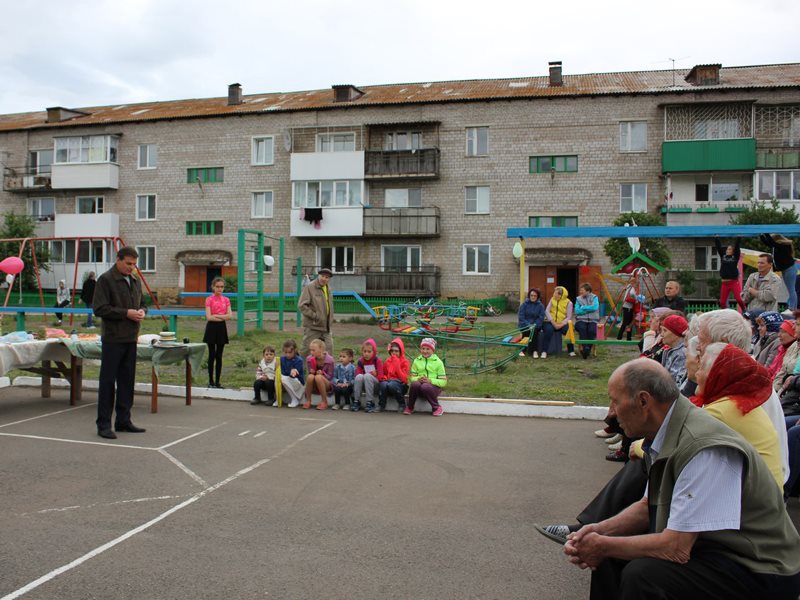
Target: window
[[549, 164], [401, 258], [205, 175], [40, 162], [403, 198], [42, 209], [321, 194], [263, 150], [57, 251], [403, 140], [86, 149], [633, 136], [477, 141], [336, 142], [716, 129], [87, 205], [633, 197], [477, 199], [725, 192], [147, 258], [145, 207], [477, 259], [782, 185], [261, 207], [203, 227], [552, 221], [338, 259], [148, 156], [706, 258], [88, 251]]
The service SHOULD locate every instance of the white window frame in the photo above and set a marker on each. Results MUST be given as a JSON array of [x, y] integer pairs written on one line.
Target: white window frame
[[38, 215], [99, 202], [332, 141], [409, 268], [626, 136], [39, 168], [269, 206], [86, 149], [402, 197], [711, 258], [414, 139], [154, 217], [335, 187], [268, 159], [473, 140], [147, 157], [142, 262], [794, 183], [478, 199], [632, 197], [474, 249], [334, 266]]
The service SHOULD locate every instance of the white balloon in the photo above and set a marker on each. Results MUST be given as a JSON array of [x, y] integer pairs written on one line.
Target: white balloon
[[517, 250], [10, 279], [269, 260]]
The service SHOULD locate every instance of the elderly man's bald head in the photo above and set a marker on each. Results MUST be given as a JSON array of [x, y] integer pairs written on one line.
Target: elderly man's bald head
[[644, 374]]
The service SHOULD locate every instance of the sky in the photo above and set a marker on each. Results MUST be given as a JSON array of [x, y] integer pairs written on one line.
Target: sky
[[105, 52]]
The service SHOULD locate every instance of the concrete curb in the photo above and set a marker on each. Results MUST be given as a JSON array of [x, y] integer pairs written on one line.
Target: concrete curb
[[498, 407]]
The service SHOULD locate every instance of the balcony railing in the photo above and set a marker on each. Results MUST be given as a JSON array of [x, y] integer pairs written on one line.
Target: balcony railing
[[386, 281], [387, 164], [401, 222], [26, 179]]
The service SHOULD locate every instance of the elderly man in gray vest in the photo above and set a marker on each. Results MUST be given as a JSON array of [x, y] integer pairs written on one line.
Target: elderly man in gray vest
[[712, 522]]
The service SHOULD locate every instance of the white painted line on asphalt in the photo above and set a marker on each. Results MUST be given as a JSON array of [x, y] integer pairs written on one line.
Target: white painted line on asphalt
[[244, 433], [129, 534], [52, 439], [96, 504], [188, 437], [259, 434], [58, 412], [184, 468]]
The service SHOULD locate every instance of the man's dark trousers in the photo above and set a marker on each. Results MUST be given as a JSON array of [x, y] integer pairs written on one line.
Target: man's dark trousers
[[117, 369]]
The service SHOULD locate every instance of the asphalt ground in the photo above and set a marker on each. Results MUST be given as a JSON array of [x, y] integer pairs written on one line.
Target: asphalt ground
[[227, 500]]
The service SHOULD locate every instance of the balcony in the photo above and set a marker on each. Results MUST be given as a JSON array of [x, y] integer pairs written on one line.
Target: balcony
[[702, 213], [338, 221], [320, 166], [709, 155], [381, 281], [398, 222], [25, 180], [85, 176], [397, 164]]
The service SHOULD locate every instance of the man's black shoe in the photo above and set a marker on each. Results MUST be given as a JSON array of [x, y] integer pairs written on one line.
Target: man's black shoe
[[107, 433], [130, 428]]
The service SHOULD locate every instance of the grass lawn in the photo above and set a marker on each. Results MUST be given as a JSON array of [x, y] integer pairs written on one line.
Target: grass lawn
[[558, 377]]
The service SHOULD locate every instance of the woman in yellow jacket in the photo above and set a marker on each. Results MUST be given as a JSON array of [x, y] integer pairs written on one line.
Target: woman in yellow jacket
[[557, 317]]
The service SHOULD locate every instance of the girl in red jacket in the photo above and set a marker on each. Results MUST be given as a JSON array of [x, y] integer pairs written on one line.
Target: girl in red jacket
[[395, 376]]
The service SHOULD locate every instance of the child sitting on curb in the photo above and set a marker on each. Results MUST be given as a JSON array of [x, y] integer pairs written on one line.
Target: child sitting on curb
[[395, 376], [292, 379], [427, 378], [369, 371], [320, 373], [343, 377], [265, 377]]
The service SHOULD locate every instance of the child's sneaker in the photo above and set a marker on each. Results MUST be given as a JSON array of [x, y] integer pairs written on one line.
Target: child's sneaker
[[438, 412], [275, 404], [335, 407], [407, 411], [294, 403]]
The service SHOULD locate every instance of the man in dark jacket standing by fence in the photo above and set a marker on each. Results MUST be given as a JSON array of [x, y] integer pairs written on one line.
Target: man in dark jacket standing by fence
[[118, 302]]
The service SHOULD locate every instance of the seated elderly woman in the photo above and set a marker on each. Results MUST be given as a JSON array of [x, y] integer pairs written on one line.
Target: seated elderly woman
[[765, 349], [732, 387], [782, 366], [674, 357]]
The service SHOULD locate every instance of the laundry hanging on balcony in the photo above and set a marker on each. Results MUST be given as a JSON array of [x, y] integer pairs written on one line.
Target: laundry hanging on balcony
[[312, 215]]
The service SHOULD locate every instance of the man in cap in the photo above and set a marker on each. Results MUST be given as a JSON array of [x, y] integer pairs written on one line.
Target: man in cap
[[316, 305]]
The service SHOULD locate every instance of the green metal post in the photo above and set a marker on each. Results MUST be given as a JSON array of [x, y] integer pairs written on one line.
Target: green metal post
[[20, 321], [281, 289], [173, 323], [259, 258], [240, 300], [299, 286]]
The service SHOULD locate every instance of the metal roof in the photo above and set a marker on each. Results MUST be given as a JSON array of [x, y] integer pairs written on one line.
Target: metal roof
[[597, 84]]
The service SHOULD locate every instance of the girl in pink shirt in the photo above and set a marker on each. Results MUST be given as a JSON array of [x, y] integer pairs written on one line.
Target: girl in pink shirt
[[218, 310]]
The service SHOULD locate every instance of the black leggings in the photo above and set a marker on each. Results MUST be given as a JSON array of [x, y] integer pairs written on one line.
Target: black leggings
[[214, 362], [627, 323]]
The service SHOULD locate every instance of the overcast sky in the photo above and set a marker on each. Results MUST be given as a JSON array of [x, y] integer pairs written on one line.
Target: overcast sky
[[100, 52]]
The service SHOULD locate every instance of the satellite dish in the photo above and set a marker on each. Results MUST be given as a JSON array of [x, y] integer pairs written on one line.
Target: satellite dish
[[287, 141]]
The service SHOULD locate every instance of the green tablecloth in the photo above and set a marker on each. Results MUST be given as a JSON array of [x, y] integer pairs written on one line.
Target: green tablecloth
[[155, 355]]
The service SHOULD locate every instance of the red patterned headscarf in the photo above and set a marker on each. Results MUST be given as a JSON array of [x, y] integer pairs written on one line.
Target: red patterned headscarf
[[736, 375]]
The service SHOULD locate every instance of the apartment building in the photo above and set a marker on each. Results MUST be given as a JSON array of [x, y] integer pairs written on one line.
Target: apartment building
[[406, 189]]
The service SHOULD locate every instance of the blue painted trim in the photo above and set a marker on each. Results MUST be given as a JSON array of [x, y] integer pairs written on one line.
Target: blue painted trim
[[682, 231]]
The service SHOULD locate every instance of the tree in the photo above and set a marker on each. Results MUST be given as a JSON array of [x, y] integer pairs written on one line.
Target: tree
[[618, 249], [22, 226], [763, 213]]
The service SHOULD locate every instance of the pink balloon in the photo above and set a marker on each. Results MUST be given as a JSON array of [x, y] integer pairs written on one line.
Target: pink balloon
[[12, 265]]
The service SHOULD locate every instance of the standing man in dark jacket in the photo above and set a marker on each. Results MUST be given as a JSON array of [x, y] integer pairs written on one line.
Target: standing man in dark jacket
[[118, 302]]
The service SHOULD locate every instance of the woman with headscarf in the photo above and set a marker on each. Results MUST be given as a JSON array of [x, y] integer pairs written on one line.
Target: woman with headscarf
[[674, 357], [780, 369], [765, 349], [732, 387], [557, 316]]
